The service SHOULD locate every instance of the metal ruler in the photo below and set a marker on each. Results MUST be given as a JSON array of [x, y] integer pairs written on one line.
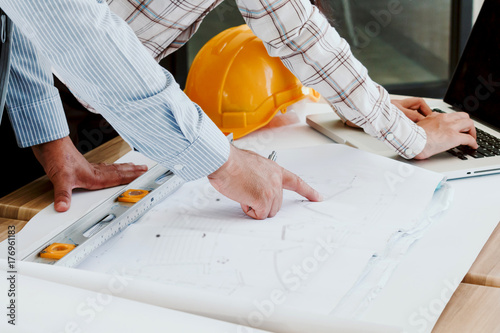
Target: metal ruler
[[108, 219]]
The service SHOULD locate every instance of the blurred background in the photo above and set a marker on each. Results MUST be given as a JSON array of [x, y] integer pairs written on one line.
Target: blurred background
[[410, 47]]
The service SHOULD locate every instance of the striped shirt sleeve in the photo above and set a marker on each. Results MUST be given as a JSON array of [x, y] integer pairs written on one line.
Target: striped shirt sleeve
[[33, 103], [297, 33], [101, 59]]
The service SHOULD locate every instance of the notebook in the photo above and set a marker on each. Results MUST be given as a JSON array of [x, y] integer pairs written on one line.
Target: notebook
[[474, 88]]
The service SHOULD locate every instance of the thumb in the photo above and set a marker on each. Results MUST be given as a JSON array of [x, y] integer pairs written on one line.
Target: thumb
[[62, 196]]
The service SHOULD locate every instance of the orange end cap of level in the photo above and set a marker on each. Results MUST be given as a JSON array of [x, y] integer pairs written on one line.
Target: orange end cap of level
[[132, 195], [56, 250]]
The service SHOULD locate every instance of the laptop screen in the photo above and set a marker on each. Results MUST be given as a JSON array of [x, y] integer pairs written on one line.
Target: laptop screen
[[475, 86]]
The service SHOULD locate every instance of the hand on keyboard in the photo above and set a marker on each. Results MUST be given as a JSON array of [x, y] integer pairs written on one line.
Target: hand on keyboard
[[414, 108], [446, 131]]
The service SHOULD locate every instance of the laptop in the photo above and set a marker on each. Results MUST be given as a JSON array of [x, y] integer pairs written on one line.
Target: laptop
[[474, 88]]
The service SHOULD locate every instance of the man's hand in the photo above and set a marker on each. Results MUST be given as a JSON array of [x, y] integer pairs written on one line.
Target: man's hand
[[257, 183], [68, 169], [446, 131], [414, 108]]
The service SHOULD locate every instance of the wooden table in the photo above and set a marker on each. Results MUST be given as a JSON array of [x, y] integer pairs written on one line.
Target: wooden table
[[474, 306], [27, 201], [5, 223], [486, 269]]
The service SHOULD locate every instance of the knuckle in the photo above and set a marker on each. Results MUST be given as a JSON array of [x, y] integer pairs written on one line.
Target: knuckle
[[267, 195], [63, 176], [62, 194], [300, 183], [261, 215], [119, 175]]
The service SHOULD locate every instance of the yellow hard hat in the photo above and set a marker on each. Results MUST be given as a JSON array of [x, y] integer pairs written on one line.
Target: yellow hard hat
[[238, 85]]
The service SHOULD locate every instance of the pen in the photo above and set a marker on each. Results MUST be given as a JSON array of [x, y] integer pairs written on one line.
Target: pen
[[272, 157]]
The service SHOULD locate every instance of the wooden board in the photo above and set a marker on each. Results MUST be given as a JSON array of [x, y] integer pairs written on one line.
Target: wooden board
[[27, 201], [486, 269], [472, 308], [4, 226]]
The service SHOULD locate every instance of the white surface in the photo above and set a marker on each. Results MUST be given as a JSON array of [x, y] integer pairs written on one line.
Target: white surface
[[446, 253], [146, 294], [46, 306]]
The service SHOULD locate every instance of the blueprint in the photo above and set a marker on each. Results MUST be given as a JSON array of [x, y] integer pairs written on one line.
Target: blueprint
[[311, 254]]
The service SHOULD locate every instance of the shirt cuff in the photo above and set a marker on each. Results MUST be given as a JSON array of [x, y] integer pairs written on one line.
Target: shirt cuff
[[406, 137], [202, 157], [39, 122]]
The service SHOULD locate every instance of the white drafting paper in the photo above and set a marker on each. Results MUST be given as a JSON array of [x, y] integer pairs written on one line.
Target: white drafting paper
[[233, 265], [49, 223], [312, 253], [223, 308], [46, 306], [424, 282]]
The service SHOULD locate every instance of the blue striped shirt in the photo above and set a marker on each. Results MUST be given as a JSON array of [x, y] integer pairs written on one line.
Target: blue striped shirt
[[101, 59]]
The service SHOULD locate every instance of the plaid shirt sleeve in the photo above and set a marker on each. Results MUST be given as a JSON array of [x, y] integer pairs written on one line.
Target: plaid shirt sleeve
[[297, 33]]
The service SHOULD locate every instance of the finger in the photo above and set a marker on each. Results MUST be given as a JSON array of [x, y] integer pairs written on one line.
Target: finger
[[417, 104], [472, 131], [468, 140], [457, 115], [129, 167], [419, 117], [62, 196], [246, 209], [295, 183], [465, 125], [413, 115], [276, 205], [108, 175], [423, 107], [467, 133], [260, 214]]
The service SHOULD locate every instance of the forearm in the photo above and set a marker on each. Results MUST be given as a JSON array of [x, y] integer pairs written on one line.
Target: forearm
[[100, 58], [301, 36]]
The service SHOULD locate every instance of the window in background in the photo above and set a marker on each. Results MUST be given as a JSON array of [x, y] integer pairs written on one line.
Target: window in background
[[404, 44], [410, 47]]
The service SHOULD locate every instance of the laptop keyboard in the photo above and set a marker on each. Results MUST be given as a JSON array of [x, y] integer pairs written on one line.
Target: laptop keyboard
[[489, 145]]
